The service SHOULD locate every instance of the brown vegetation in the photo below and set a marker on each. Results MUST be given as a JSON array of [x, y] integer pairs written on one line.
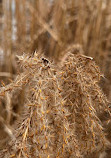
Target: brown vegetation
[[61, 106], [56, 105]]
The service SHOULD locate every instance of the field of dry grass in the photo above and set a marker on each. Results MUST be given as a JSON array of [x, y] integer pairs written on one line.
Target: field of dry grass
[[55, 78]]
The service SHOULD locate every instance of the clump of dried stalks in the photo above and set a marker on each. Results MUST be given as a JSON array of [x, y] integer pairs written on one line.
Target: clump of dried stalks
[[61, 108], [53, 27]]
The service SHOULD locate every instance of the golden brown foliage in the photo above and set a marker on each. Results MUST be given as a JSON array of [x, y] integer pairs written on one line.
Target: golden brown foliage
[[57, 28], [61, 107], [54, 26]]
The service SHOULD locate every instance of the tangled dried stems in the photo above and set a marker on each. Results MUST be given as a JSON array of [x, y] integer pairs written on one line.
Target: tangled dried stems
[[61, 108], [54, 28]]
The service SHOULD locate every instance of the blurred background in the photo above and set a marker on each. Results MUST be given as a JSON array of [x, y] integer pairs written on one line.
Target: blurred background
[[51, 27]]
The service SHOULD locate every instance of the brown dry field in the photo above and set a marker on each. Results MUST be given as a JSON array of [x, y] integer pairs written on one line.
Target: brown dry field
[[55, 78]]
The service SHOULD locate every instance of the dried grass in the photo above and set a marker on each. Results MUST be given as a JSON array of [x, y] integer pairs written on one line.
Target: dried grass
[[61, 107], [58, 29], [53, 27]]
